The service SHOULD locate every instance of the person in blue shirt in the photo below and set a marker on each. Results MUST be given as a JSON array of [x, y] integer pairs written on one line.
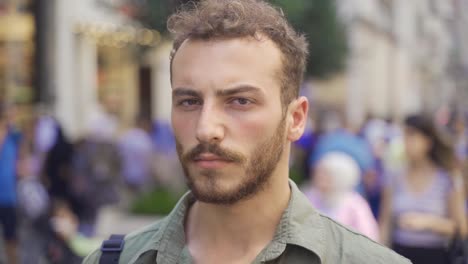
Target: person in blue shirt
[[9, 140]]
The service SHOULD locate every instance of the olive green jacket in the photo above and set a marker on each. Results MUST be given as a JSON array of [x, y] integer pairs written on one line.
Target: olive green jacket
[[303, 236]]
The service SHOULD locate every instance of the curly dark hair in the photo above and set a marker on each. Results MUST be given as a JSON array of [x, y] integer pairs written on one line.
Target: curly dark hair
[[227, 19]]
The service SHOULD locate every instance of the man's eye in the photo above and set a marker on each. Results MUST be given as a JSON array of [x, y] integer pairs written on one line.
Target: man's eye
[[189, 102], [241, 101]]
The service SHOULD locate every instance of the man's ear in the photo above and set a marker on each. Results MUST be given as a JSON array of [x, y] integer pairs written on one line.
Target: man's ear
[[297, 118]]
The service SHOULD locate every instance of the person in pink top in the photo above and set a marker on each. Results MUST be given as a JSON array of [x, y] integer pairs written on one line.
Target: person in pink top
[[332, 192]]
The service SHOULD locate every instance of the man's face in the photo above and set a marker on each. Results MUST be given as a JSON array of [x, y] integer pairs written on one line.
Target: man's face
[[227, 116]]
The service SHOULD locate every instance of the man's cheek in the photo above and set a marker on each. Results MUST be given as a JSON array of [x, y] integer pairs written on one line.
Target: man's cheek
[[181, 145], [254, 130]]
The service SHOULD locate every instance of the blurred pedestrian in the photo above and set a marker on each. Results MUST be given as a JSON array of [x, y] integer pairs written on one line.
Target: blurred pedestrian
[[376, 132], [166, 166], [33, 205], [236, 68], [333, 192], [460, 133], [136, 150], [72, 245], [57, 165], [422, 206], [96, 175], [61, 226], [9, 145], [346, 142]]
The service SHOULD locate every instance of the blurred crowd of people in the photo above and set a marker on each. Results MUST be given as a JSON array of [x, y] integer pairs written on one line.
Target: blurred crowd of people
[[52, 188], [402, 184]]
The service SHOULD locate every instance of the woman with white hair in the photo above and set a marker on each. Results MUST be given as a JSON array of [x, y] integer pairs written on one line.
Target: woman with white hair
[[332, 192]]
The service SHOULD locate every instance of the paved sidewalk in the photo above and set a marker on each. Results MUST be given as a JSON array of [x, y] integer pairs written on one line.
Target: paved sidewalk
[[113, 220]]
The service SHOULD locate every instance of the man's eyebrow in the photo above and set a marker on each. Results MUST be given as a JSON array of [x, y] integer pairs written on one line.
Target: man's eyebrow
[[185, 92], [237, 89]]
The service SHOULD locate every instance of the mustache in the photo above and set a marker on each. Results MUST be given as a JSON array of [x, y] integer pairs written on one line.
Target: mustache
[[215, 149]]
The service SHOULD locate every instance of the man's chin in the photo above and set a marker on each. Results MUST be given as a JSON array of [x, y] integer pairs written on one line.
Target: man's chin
[[215, 193]]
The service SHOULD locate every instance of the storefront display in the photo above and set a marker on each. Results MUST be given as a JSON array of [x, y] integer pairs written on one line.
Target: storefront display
[[16, 52]]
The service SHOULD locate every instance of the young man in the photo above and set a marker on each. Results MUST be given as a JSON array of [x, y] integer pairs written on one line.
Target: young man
[[236, 68]]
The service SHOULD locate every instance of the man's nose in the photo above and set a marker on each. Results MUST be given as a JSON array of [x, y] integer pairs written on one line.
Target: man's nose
[[210, 128]]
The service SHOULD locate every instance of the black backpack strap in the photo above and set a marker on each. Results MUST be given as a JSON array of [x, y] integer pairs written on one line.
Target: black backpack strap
[[111, 249]]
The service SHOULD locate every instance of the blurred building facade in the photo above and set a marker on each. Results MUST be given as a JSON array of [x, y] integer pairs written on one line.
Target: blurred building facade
[[400, 56], [80, 58], [460, 60], [17, 51], [99, 63], [77, 56]]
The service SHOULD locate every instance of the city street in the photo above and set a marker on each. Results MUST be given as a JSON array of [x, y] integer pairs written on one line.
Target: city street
[[113, 220], [102, 129]]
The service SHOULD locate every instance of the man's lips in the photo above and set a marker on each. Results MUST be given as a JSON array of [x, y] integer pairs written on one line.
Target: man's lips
[[209, 157], [210, 161]]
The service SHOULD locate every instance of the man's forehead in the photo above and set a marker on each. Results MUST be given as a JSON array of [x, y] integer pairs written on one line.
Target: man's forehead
[[259, 44], [216, 66]]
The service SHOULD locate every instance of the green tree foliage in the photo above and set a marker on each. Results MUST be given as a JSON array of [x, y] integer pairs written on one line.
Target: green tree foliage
[[317, 19], [156, 202], [155, 13]]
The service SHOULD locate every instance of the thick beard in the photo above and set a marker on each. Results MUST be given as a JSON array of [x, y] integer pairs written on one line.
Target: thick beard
[[258, 171]]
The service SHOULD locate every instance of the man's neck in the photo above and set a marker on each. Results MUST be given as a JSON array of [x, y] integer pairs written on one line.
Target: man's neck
[[238, 230]]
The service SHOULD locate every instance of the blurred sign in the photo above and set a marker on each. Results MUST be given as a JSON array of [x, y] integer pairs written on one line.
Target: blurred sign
[[126, 8], [118, 35], [114, 4], [16, 27]]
